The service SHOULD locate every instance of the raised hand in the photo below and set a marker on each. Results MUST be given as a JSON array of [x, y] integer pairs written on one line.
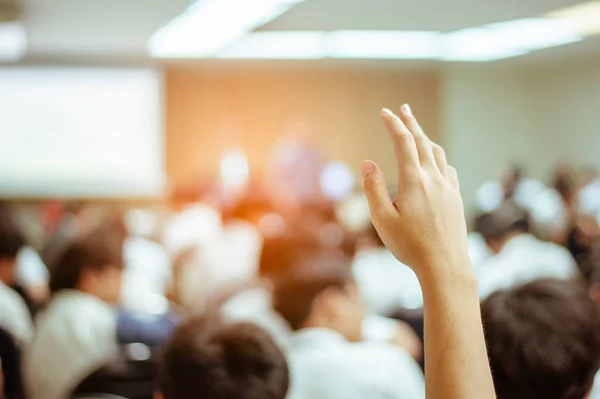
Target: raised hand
[[424, 226]]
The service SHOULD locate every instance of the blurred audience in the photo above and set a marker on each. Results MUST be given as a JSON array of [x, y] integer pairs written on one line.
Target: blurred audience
[[519, 256], [76, 332], [322, 304], [15, 316], [242, 283]]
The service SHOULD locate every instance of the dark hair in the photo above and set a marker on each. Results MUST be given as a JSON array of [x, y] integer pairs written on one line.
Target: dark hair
[[97, 250], [543, 340], [213, 360], [507, 218], [11, 239], [295, 292]]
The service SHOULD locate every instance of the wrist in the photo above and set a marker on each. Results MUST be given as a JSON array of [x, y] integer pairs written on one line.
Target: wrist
[[454, 273]]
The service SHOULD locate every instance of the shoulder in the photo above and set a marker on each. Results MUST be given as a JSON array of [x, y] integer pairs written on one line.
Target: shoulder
[[14, 316], [557, 252], [71, 308]]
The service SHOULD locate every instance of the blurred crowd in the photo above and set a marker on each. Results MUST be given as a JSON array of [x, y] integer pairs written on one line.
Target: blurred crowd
[[273, 293]]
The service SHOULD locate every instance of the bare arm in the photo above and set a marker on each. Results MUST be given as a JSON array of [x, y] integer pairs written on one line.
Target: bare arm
[[424, 227]]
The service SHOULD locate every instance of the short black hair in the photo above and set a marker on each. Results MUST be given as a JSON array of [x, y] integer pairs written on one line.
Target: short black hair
[[211, 359], [543, 340], [97, 250], [11, 239]]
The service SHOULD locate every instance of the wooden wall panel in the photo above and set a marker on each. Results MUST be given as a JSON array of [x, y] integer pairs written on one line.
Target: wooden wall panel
[[209, 110]]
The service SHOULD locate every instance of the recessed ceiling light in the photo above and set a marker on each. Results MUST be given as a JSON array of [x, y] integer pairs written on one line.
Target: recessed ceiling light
[[208, 26]]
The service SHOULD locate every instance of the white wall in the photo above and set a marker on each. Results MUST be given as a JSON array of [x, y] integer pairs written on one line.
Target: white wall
[[536, 117], [70, 132], [567, 106]]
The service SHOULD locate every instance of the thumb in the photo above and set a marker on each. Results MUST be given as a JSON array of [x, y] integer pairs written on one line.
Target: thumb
[[375, 188]]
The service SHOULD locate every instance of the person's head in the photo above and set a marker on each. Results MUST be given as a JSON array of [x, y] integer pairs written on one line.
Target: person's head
[[501, 224], [590, 266], [93, 265], [510, 178], [320, 292], [211, 359], [543, 340], [11, 241]]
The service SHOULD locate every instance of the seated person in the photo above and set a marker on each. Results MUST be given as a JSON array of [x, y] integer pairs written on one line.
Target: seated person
[[543, 340], [213, 360], [322, 304], [148, 274], [14, 313], [76, 332], [133, 374], [519, 256]]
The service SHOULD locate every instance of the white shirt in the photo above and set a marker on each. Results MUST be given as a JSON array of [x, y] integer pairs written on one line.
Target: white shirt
[[588, 199], [254, 305], [233, 257], [31, 270], [384, 283], [324, 365], [524, 258], [192, 226], [147, 275], [491, 194], [75, 335], [479, 252], [14, 315], [595, 393]]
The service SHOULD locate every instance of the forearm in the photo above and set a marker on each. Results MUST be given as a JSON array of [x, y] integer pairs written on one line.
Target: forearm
[[456, 365]]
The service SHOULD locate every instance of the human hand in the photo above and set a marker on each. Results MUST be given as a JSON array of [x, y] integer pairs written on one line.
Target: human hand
[[424, 225]]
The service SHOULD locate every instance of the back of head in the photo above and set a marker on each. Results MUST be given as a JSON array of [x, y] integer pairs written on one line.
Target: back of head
[[11, 242], [295, 292], [503, 222], [97, 252], [543, 340], [11, 239], [213, 360], [320, 293]]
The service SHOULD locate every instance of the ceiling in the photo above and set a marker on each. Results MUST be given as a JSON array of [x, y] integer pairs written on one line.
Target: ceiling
[[114, 29]]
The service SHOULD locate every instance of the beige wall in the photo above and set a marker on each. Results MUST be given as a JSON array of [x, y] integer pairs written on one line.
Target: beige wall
[[208, 110], [535, 116]]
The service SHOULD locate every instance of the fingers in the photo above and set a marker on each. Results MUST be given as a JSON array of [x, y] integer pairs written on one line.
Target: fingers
[[440, 159], [376, 190], [423, 144], [404, 144], [453, 176]]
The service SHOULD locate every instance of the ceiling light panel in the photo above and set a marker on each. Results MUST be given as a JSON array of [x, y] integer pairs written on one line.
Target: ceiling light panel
[[384, 44], [208, 26], [279, 45]]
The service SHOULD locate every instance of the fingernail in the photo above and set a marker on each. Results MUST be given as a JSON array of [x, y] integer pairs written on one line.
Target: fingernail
[[386, 112], [366, 167], [406, 109]]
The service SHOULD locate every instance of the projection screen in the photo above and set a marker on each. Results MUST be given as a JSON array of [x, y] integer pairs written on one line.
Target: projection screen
[[81, 132]]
